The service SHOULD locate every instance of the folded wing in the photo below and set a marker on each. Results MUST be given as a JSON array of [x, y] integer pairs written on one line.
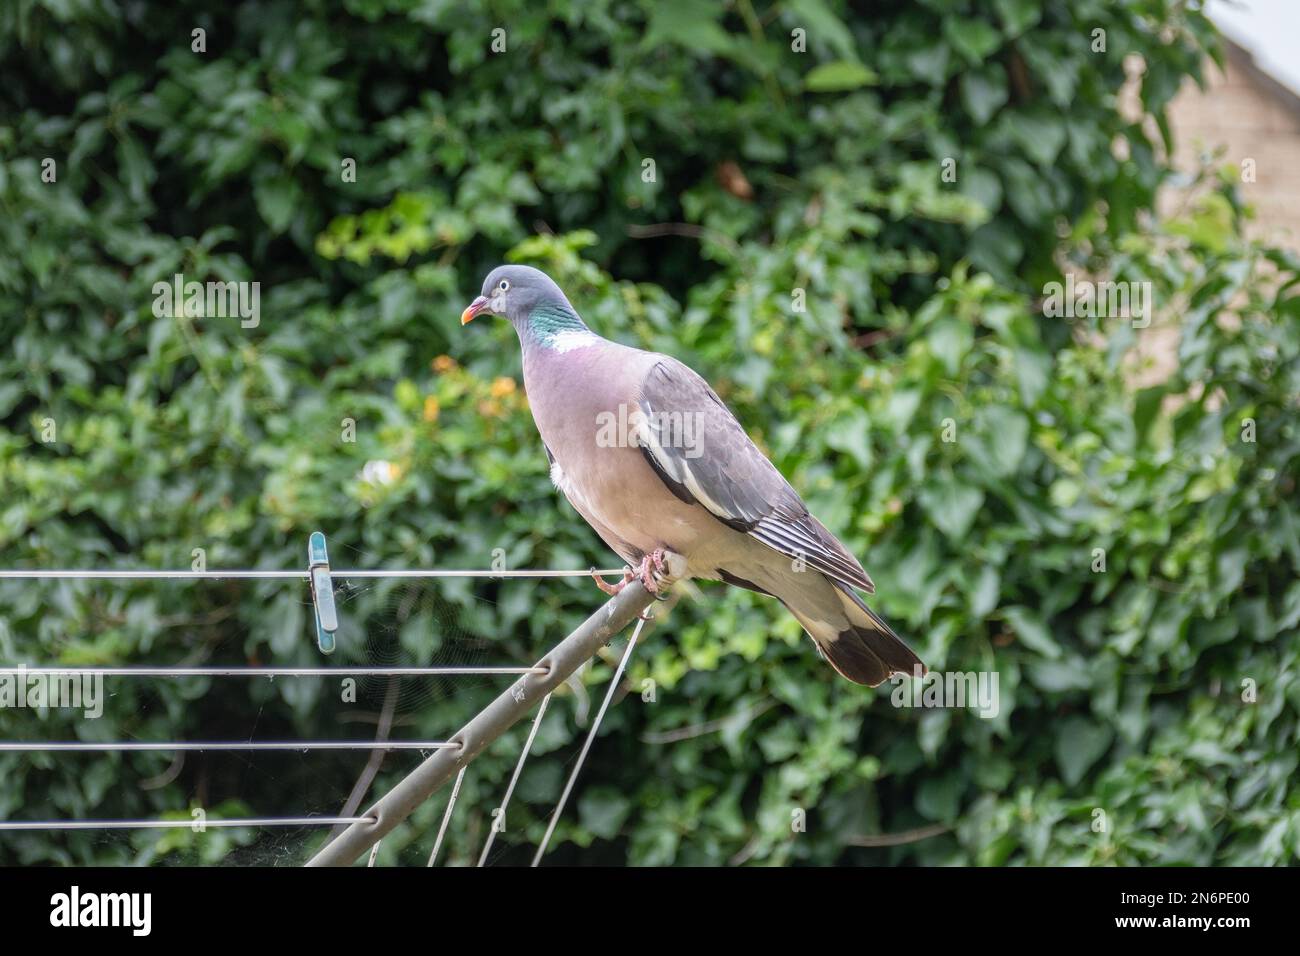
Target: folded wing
[[701, 452]]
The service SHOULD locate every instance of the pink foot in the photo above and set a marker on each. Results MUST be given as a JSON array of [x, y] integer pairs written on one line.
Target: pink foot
[[612, 589], [651, 563]]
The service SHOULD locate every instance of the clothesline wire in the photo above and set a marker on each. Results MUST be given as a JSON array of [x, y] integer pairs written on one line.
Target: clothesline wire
[[510, 706], [591, 736], [179, 824], [499, 821], [446, 815], [130, 746], [231, 573], [345, 671], [271, 672]]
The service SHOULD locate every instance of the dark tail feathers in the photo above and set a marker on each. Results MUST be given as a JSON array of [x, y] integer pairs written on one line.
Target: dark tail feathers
[[869, 652]]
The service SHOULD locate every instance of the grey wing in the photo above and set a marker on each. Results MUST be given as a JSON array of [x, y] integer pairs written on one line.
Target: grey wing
[[703, 455]]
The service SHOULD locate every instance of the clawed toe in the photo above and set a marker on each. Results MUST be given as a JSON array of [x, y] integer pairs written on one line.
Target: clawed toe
[[612, 589], [653, 570]]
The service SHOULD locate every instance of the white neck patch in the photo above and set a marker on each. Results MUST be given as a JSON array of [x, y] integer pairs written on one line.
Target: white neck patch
[[569, 339]]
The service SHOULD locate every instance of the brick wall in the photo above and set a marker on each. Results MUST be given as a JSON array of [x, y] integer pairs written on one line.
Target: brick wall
[[1251, 115]]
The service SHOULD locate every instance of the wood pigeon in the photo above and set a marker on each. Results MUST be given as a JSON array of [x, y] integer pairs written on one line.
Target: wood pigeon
[[649, 455]]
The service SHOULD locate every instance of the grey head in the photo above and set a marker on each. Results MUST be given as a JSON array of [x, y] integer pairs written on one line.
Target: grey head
[[518, 293]]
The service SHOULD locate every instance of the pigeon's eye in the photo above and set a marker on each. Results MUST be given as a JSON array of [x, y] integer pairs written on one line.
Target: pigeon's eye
[[504, 285]]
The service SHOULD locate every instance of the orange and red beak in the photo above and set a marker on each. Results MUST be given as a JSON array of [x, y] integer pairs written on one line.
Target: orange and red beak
[[475, 307]]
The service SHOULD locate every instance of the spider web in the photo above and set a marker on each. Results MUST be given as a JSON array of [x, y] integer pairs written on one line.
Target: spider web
[[384, 623]]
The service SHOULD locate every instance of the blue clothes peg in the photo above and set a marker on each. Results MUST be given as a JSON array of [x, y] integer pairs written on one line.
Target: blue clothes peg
[[322, 592]]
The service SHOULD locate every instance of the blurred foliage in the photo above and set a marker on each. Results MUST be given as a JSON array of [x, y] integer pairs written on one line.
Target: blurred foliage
[[779, 177]]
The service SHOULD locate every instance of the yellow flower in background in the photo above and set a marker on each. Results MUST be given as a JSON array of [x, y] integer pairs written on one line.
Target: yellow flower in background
[[502, 387], [444, 363], [431, 408]]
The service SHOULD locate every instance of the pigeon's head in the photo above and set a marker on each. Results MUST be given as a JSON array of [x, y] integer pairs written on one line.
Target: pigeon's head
[[515, 292]]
